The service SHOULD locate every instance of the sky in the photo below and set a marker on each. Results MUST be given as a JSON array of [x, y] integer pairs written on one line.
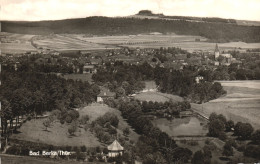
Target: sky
[[35, 10]]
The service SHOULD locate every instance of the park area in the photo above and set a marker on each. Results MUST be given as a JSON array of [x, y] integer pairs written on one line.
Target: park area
[[57, 134]]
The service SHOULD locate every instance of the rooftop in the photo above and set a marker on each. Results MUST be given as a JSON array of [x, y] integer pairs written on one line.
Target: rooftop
[[115, 146]]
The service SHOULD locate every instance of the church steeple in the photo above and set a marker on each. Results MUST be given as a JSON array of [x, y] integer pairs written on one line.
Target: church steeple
[[216, 48], [216, 52]]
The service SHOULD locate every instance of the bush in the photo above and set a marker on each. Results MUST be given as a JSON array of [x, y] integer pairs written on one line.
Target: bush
[[75, 148], [68, 148], [81, 156], [222, 136], [13, 150], [183, 141], [227, 150], [193, 143], [24, 151], [252, 151], [256, 137], [84, 120], [83, 148], [243, 130], [207, 141], [126, 131]]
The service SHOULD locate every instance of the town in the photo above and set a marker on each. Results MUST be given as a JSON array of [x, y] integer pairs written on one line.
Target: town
[[139, 89]]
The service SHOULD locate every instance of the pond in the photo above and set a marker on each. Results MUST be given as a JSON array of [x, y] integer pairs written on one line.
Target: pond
[[187, 126]]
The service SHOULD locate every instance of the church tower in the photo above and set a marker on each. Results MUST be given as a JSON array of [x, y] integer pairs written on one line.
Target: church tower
[[216, 52]]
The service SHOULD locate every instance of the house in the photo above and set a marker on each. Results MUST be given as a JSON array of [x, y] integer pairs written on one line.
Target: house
[[105, 94], [115, 149], [89, 69], [198, 79]]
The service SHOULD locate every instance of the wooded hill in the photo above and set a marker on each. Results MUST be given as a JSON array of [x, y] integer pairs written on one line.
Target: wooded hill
[[214, 31]]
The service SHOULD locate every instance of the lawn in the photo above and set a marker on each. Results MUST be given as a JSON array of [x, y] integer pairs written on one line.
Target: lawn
[[157, 96], [150, 93], [57, 134]]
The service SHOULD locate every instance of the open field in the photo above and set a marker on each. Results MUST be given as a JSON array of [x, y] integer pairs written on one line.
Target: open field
[[96, 110], [16, 48], [20, 43], [193, 46], [159, 40], [66, 42], [242, 102], [150, 94], [157, 96], [187, 126], [140, 39], [15, 43]]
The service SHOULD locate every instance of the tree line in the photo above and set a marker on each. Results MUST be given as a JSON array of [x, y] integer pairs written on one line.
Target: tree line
[[153, 145], [31, 94]]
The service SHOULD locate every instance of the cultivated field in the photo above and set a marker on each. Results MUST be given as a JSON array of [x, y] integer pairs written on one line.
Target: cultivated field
[[66, 42], [15, 43], [192, 46], [242, 102], [158, 40], [19, 43], [140, 39]]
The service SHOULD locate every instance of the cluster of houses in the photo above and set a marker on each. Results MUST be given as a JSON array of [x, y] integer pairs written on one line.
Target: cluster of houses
[[88, 62]]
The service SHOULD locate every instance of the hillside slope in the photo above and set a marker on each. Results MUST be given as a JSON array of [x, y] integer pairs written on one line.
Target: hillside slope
[[215, 32]]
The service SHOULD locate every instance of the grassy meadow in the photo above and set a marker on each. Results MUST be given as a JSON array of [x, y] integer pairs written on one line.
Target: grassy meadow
[[241, 103], [150, 94], [58, 135]]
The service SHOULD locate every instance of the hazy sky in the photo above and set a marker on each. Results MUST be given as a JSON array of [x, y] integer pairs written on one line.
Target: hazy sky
[[62, 9]]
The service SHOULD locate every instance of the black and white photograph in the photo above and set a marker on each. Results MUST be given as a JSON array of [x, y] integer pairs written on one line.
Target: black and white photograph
[[130, 81]]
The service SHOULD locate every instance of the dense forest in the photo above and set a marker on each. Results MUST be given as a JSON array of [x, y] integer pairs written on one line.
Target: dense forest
[[204, 19], [215, 31]]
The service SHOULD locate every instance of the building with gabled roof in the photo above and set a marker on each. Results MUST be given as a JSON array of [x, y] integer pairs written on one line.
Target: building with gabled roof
[[105, 94], [115, 149]]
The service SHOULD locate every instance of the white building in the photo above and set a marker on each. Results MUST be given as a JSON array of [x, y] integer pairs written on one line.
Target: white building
[[115, 149]]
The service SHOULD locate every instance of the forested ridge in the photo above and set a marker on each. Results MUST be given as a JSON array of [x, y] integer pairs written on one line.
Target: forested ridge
[[215, 31]]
